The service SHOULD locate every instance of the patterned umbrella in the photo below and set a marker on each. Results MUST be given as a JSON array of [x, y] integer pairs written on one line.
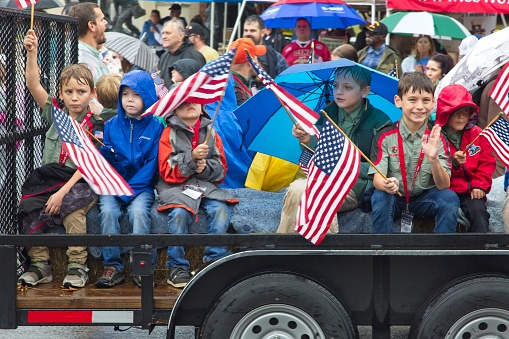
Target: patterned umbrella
[[133, 50], [45, 4], [436, 25]]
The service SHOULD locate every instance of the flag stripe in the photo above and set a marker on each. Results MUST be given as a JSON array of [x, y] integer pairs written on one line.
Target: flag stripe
[[333, 171], [304, 116], [500, 90], [24, 4], [99, 174], [498, 136], [203, 87]]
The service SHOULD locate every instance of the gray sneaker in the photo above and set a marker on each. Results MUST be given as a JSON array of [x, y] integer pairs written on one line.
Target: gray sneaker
[[178, 277], [37, 273], [77, 275], [110, 277]]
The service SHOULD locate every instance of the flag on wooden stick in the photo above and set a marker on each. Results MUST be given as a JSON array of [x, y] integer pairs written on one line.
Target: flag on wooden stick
[[94, 168], [333, 171], [203, 87], [25, 3], [498, 136]]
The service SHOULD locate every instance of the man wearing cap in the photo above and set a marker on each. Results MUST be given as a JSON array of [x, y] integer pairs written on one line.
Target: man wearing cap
[[273, 62], [196, 34], [241, 69], [177, 47], [377, 54], [175, 11], [298, 51]]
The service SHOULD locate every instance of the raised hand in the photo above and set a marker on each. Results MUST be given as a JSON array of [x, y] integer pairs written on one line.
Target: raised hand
[[431, 143]]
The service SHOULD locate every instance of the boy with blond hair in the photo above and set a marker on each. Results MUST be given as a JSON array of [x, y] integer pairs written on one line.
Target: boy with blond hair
[[107, 94], [70, 198]]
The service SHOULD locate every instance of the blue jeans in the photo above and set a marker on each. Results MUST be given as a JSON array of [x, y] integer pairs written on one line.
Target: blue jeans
[[138, 214], [218, 220], [441, 204]]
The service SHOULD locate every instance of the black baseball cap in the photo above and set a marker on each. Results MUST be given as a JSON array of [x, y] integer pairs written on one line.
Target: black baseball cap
[[197, 29], [378, 27], [175, 7]]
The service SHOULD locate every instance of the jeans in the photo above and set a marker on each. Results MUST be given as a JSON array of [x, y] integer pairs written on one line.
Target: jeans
[[138, 214], [218, 220], [442, 204]]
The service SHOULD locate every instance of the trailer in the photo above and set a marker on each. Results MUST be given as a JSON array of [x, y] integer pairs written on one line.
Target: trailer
[[271, 286]]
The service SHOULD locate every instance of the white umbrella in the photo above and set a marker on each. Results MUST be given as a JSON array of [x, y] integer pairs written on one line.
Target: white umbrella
[[133, 50], [490, 53]]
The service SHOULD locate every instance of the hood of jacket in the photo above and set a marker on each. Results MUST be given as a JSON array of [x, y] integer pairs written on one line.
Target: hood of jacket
[[186, 67], [142, 83], [452, 98]]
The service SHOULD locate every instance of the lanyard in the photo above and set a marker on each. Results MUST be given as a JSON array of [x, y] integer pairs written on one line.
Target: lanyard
[[63, 154], [403, 168]]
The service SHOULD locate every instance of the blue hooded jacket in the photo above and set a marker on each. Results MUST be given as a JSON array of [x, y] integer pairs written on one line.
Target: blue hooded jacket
[[131, 145]]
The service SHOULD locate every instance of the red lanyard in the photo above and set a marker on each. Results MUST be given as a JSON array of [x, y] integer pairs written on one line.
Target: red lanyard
[[196, 135], [402, 165], [63, 154]]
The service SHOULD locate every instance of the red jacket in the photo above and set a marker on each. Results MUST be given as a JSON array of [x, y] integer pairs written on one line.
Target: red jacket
[[480, 163]]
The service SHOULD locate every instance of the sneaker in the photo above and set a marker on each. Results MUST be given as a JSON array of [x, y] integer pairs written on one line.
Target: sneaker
[[178, 277], [37, 273], [137, 280], [110, 277], [77, 275]]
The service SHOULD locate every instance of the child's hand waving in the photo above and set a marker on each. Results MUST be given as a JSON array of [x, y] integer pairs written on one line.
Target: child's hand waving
[[431, 143]]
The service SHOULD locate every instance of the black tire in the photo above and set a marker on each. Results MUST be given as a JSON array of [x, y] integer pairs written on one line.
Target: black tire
[[475, 308], [289, 304]]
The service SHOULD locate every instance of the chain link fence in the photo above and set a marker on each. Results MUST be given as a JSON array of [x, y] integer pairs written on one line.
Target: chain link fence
[[21, 127]]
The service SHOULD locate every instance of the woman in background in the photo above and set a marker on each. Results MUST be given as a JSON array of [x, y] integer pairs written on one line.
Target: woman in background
[[424, 49]]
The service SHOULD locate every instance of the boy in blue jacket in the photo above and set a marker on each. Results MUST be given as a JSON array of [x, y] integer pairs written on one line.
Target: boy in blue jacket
[[131, 145]]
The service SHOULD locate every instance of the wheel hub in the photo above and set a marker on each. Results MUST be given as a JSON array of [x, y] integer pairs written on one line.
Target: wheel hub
[[277, 321], [488, 323]]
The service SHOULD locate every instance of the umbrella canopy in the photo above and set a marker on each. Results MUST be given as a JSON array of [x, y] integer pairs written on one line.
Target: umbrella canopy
[[133, 50], [320, 14], [436, 25], [44, 4], [488, 54], [269, 130]]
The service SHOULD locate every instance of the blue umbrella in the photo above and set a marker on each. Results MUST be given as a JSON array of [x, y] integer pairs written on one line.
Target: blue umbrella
[[266, 126], [320, 14]]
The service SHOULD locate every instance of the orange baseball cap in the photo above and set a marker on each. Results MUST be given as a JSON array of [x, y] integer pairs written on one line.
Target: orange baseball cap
[[248, 44]]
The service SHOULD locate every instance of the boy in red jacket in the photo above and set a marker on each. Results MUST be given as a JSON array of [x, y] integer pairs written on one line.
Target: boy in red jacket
[[471, 170]]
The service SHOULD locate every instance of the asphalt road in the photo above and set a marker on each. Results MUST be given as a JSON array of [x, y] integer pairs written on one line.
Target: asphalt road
[[86, 332]]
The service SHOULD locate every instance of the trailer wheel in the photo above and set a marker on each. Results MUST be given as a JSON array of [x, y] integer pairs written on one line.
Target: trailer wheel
[[278, 305], [476, 308]]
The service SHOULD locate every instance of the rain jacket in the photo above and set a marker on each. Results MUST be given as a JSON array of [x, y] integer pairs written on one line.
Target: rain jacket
[[177, 167], [480, 163], [130, 145], [362, 135], [387, 61], [185, 51]]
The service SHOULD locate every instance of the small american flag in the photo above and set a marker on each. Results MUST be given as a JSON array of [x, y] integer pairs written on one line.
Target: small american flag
[[25, 3], [203, 87], [96, 170], [161, 89], [304, 115], [393, 73], [305, 159], [498, 136], [333, 171], [499, 92]]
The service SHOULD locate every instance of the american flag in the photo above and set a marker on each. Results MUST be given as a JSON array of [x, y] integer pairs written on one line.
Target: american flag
[[393, 73], [499, 92], [161, 89], [304, 115], [305, 159], [333, 171], [203, 87], [498, 136], [96, 170], [25, 3]]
